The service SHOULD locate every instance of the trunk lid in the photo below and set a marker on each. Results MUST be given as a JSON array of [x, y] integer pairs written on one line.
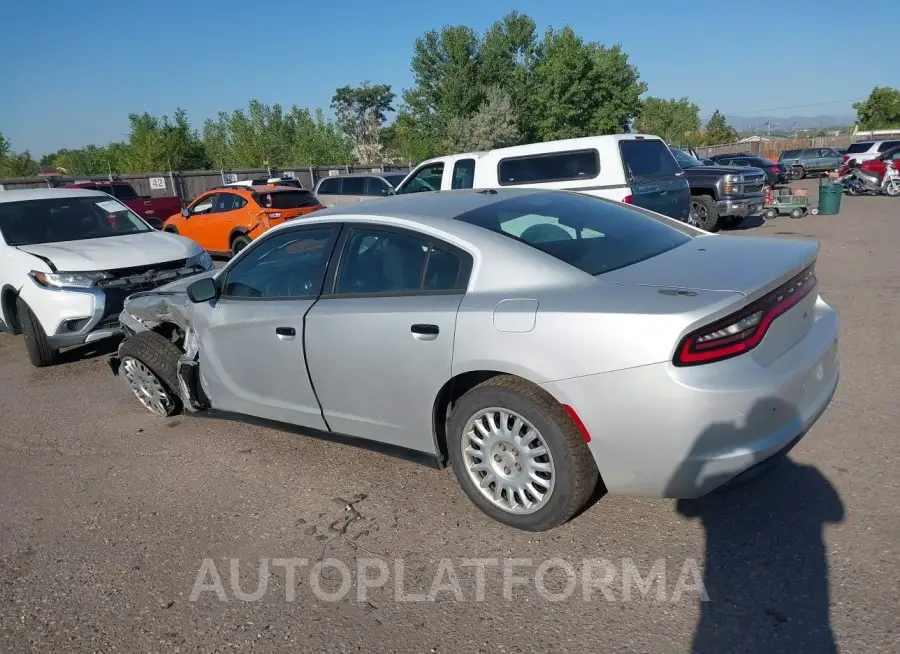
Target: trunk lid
[[748, 267]]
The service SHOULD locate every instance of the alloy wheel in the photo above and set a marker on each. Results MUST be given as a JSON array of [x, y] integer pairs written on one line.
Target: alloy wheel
[[508, 460], [146, 386]]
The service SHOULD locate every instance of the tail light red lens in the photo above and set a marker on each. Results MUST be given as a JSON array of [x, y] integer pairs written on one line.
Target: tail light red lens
[[845, 158], [742, 331], [774, 169], [628, 199]]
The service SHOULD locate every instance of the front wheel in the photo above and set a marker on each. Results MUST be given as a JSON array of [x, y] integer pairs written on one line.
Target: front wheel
[[704, 213], [149, 365], [797, 213], [771, 214], [40, 353], [798, 172], [892, 188], [519, 456]]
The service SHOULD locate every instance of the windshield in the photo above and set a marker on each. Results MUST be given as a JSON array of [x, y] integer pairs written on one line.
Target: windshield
[[53, 220], [684, 159], [591, 234], [648, 159]]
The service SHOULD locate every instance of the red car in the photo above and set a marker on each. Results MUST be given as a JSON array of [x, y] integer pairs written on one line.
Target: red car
[[877, 165], [153, 210]]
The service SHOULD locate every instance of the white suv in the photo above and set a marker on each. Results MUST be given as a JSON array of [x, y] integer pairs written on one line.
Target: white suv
[[868, 150], [68, 260]]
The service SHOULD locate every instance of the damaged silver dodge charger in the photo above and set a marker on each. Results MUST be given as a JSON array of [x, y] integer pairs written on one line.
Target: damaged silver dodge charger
[[541, 341]]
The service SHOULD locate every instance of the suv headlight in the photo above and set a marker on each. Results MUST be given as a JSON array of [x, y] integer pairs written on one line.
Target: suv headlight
[[201, 260], [68, 279]]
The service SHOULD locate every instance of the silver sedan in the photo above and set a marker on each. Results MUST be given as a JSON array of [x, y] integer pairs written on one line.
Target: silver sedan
[[544, 343]]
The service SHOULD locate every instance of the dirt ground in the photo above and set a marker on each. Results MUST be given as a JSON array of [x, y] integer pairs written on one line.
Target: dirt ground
[[110, 517]]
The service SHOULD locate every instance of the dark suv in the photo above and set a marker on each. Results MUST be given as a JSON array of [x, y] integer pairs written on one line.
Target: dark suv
[[776, 173]]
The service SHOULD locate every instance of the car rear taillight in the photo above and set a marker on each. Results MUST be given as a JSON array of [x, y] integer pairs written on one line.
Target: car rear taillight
[[628, 199], [775, 169], [845, 158], [742, 331]]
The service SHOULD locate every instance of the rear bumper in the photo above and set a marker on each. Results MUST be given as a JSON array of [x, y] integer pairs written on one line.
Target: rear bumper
[[661, 431], [742, 207]]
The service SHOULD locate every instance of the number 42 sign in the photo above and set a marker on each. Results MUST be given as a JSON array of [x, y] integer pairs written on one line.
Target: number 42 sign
[[157, 183]]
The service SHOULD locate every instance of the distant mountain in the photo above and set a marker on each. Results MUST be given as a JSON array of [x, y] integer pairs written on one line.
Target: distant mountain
[[790, 123]]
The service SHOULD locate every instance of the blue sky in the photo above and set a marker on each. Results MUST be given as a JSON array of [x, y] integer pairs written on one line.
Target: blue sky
[[71, 72]]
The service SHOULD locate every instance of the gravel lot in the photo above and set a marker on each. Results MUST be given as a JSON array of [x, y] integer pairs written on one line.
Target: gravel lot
[[108, 515]]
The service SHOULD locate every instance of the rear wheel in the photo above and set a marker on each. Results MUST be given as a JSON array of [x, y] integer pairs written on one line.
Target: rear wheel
[[770, 214], [149, 365], [239, 243], [798, 213], [798, 172], [519, 456], [704, 213], [40, 353]]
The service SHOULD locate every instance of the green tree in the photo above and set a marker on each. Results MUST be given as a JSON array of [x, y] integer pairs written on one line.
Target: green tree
[[881, 109], [15, 164], [718, 131], [675, 121], [361, 115], [494, 125], [405, 141]]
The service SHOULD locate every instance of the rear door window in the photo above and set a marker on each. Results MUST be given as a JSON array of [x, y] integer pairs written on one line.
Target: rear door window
[[648, 159], [376, 186], [857, 148], [887, 145], [331, 186], [552, 167], [463, 174], [354, 186]]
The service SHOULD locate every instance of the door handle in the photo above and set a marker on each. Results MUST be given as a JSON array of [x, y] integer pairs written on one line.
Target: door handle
[[285, 333], [424, 332]]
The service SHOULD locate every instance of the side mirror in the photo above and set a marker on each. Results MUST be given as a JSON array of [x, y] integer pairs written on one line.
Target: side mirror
[[203, 290], [185, 212], [155, 222], [386, 191], [392, 191]]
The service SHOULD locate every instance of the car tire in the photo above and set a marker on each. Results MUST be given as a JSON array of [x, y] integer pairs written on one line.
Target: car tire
[[239, 243], [170, 229], [149, 366], [573, 473], [797, 213], [769, 214], [40, 353], [706, 211], [798, 172]]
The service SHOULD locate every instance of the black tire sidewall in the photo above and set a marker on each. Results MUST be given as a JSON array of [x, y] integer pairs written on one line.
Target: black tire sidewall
[[40, 353], [234, 244], [555, 511], [712, 212], [161, 357]]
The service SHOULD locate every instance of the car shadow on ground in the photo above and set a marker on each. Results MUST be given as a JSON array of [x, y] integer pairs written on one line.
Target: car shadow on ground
[[750, 222], [765, 569], [89, 350]]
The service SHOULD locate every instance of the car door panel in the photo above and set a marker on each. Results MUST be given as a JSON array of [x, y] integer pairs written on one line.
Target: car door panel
[[375, 377], [195, 226], [249, 368]]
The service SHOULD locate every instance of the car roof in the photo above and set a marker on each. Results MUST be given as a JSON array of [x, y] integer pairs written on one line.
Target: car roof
[[23, 195]]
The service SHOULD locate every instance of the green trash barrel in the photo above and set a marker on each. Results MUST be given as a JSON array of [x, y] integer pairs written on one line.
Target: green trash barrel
[[830, 199]]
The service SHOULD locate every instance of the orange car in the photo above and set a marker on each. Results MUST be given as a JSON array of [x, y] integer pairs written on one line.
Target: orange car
[[223, 220]]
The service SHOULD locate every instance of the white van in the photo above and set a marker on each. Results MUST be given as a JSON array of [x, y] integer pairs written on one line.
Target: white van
[[636, 169]]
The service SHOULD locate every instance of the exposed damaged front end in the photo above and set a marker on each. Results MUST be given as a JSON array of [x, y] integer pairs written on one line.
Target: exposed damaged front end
[[168, 312]]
